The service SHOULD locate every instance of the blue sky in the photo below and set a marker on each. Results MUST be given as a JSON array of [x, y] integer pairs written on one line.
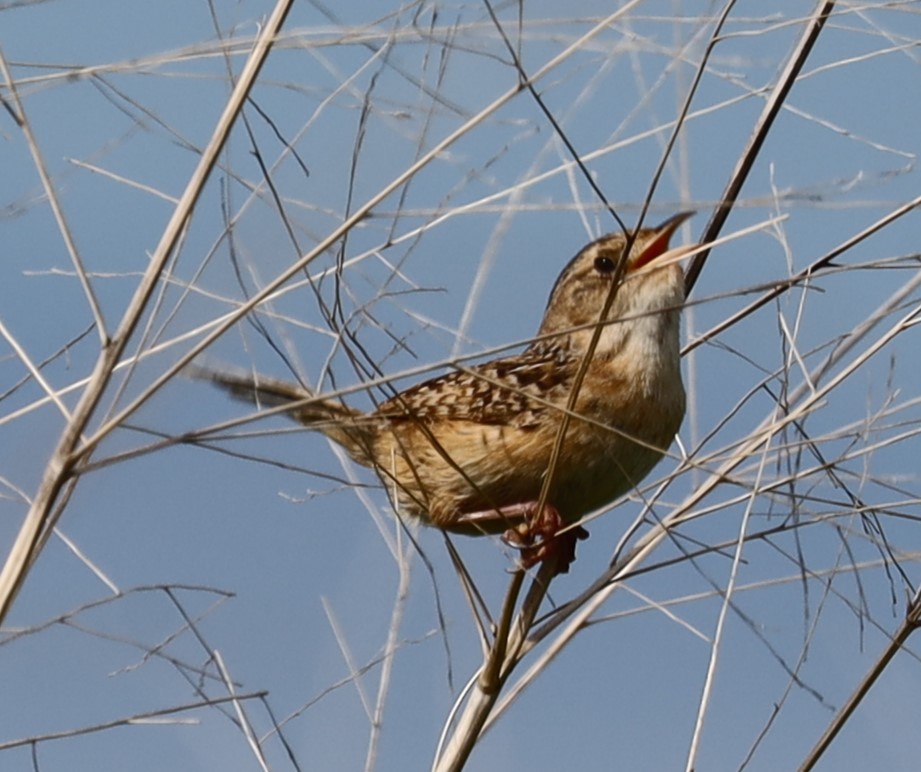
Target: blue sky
[[282, 555]]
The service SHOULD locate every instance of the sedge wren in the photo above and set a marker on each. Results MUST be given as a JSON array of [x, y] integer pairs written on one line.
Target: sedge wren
[[469, 451]]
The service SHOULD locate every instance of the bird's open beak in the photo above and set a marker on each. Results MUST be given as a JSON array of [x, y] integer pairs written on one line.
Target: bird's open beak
[[658, 246]]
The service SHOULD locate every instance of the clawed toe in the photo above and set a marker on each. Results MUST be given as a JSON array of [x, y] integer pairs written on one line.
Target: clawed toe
[[539, 538]]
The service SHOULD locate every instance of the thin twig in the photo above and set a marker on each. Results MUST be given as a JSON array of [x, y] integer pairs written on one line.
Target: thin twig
[[911, 623], [42, 514], [54, 202], [469, 727], [771, 110]]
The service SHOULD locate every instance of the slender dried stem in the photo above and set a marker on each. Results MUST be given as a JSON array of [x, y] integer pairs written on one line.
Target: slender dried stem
[[912, 622], [43, 513]]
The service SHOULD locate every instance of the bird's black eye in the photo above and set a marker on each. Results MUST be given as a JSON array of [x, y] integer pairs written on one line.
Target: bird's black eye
[[604, 264]]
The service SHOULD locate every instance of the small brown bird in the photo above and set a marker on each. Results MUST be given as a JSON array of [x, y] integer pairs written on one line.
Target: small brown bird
[[468, 451]]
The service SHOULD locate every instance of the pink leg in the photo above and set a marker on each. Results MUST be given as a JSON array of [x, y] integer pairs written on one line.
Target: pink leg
[[537, 535]]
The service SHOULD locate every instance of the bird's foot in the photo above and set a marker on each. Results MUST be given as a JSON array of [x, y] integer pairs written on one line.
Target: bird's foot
[[539, 537]]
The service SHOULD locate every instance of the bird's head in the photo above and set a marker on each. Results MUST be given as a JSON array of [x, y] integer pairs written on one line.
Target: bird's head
[[652, 281]]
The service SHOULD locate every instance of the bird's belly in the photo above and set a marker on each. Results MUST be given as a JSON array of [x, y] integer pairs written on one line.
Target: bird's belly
[[592, 482], [480, 467]]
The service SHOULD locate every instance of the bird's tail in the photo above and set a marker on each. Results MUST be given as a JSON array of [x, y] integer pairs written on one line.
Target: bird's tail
[[347, 426]]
